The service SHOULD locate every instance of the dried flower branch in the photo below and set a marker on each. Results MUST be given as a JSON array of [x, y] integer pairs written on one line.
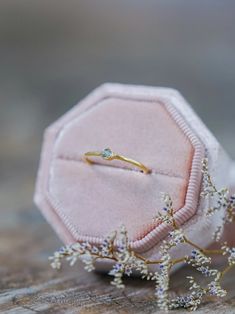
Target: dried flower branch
[[116, 248]]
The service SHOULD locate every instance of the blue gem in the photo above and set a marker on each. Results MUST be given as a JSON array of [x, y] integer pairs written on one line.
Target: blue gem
[[107, 153]]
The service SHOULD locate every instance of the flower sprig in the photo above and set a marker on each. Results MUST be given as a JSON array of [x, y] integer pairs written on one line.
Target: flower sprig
[[125, 261]]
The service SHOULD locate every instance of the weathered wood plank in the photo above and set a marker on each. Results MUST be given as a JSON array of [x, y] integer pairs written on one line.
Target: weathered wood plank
[[29, 285]]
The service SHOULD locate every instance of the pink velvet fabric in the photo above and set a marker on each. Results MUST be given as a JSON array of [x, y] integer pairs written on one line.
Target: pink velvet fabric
[[93, 201]]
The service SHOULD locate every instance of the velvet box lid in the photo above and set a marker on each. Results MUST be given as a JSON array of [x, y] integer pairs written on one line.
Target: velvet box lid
[[152, 125]]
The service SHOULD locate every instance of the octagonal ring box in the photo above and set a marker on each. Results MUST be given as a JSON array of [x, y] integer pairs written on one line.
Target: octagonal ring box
[[155, 126]]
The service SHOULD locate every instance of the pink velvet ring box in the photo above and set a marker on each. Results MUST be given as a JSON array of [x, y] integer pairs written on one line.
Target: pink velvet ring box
[[153, 125]]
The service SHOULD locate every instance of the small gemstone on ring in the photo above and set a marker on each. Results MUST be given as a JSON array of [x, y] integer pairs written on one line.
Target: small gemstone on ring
[[107, 153]]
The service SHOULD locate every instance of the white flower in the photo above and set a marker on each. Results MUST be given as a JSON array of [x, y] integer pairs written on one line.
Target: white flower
[[218, 233], [88, 260], [208, 187], [230, 252], [107, 245], [231, 258], [118, 267], [232, 201], [168, 210], [162, 281], [197, 258], [59, 255], [117, 272], [177, 237], [216, 290], [206, 271]]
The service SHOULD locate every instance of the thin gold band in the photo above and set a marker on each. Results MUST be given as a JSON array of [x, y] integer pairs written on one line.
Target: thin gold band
[[108, 154]]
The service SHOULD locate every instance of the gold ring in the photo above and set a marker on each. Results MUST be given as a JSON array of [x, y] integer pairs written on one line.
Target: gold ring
[[108, 154]]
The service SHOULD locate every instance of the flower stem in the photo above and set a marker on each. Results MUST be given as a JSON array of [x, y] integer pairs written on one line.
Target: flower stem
[[226, 269]]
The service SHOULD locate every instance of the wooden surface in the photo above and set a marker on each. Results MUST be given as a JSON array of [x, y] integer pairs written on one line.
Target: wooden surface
[[29, 285], [52, 53]]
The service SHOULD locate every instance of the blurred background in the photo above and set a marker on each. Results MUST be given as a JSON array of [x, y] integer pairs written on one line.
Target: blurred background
[[52, 53]]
